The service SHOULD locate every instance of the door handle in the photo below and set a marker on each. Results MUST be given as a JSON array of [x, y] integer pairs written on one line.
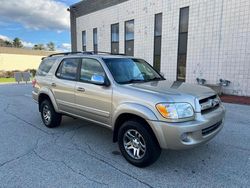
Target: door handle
[[53, 84], [80, 89]]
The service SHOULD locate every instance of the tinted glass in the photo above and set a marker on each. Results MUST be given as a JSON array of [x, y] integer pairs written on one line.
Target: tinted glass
[[115, 33], [95, 36], [184, 14], [89, 68], [129, 48], [158, 24], [68, 69], [129, 30], [115, 47], [181, 69], [127, 70], [157, 53], [84, 38], [183, 43], [84, 43], [95, 39], [45, 67]]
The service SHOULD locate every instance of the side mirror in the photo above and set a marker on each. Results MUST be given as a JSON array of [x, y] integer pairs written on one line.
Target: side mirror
[[98, 79]]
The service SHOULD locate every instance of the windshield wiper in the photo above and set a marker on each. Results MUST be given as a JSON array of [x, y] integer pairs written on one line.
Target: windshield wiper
[[154, 79], [132, 81]]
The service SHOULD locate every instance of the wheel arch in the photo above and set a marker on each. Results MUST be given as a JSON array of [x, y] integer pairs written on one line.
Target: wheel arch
[[129, 116], [47, 95]]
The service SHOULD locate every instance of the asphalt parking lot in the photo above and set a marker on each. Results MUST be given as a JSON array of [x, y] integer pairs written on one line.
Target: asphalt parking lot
[[81, 154]]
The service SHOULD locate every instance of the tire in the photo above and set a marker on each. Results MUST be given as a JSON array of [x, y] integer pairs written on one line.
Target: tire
[[49, 116], [134, 134]]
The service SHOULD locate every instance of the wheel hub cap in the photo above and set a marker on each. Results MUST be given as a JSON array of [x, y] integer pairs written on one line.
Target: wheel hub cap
[[46, 114], [134, 144]]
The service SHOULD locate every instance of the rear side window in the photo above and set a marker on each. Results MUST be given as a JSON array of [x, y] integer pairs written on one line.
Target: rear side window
[[68, 69], [45, 67]]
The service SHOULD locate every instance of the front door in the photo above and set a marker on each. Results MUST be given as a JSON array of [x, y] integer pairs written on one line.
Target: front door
[[93, 101]]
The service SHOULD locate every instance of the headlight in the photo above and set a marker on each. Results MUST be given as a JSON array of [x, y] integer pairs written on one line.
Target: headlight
[[175, 110]]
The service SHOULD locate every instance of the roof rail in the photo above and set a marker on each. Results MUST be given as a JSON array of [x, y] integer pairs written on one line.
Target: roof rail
[[64, 53], [83, 52]]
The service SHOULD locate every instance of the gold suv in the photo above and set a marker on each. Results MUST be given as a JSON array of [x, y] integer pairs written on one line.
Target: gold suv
[[146, 112]]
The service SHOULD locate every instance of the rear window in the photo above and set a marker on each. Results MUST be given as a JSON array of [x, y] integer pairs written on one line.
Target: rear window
[[45, 67]]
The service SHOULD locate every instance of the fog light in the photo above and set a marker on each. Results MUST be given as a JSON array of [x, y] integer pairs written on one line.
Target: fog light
[[184, 137]]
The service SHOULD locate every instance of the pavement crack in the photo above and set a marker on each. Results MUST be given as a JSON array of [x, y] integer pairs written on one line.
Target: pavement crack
[[79, 172], [112, 166], [23, 120], [20, 156]]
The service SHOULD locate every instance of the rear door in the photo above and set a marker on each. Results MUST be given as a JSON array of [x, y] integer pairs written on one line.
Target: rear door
[[93, 101], [63, 84]]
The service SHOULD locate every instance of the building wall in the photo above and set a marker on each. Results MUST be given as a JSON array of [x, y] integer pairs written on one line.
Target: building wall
[[218, 37]]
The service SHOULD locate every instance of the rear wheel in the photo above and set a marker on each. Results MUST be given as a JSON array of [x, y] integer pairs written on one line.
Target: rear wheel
[[49, 116], [137, 144]]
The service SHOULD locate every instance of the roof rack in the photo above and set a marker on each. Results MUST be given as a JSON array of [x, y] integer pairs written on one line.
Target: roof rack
[[82, 52], [64, 53]]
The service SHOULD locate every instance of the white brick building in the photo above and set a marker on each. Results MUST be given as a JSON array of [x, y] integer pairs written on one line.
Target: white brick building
[[218, 44]]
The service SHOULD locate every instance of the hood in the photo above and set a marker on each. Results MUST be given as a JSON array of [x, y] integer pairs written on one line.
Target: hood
[[175, 88]]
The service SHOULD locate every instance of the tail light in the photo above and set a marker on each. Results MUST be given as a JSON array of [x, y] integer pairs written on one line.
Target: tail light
[[34, 82]]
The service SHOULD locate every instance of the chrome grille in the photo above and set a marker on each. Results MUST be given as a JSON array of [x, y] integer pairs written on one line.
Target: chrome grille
[[209, 103]]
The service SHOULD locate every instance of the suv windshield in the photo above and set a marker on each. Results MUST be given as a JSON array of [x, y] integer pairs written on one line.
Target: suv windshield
[[130, 70]]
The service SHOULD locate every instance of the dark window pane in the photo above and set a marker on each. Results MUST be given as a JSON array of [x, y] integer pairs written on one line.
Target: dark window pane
[[129, 48], [95, 36], [129, 30], [184, 14], [115, 33], [181, 68], [90, 67], [95, 48], [158, 24], [157, 46], [183, 43], [157, 41], [84, 48], [157, 62], [68, 69], [157, 53], [95, 40], [84, 38], [115, 47]]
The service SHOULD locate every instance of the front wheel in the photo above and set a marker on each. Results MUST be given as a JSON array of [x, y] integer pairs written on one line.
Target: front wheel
[[49, 116], [137, 144]]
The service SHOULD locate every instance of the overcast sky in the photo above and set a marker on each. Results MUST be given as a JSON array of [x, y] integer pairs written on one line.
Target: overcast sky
[[36, 21]]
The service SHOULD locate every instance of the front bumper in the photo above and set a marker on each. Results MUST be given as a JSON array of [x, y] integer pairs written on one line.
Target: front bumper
[[189, 134]]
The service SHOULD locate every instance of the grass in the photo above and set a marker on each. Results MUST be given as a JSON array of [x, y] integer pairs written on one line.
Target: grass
[[7, 80]]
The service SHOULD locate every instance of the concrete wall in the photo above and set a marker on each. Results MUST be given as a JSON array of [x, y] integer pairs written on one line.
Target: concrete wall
[[218, 38], [20, 59]]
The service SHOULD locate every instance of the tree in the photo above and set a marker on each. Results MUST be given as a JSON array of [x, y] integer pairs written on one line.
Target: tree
[[17, 43], [5, 43], [38, 47], [51, 46], [8, 43]]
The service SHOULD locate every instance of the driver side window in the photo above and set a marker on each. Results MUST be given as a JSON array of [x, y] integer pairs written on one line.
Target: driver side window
[[89, 68]]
